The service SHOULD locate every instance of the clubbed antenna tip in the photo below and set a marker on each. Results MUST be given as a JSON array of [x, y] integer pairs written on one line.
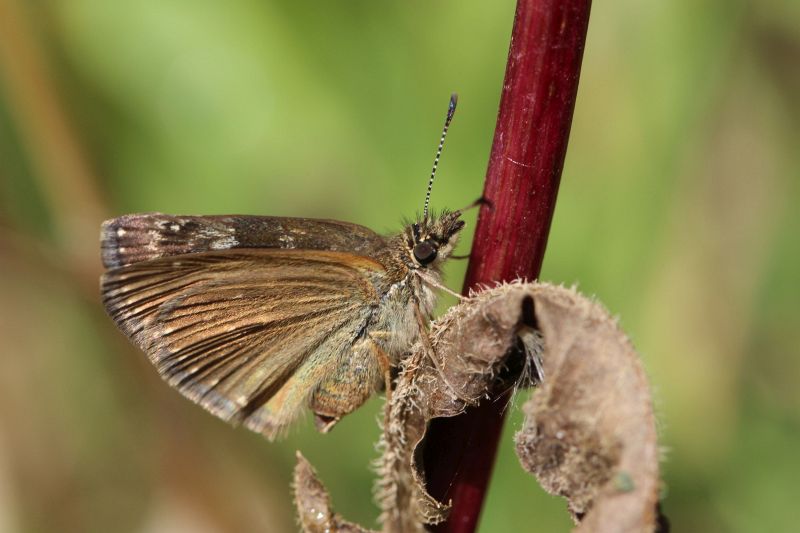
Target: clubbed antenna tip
[[451, 109]]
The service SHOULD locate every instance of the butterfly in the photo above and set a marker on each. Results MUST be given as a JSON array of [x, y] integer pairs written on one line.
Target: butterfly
[[256, 318]]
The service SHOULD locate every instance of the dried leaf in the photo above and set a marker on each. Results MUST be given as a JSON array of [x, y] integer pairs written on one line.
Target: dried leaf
[[590, 433], [473, 344], [314, 505]]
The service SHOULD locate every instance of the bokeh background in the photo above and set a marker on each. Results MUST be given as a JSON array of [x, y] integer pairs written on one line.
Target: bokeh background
[[678, 209]]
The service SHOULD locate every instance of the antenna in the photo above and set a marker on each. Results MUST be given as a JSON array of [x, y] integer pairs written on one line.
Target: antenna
[[451, 109]]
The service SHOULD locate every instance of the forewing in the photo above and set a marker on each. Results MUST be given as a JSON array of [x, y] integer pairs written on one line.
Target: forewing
[[141, 237], [230, 329]]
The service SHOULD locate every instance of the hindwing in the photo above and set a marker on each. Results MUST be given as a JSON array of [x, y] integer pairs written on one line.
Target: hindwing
[[230, 329]]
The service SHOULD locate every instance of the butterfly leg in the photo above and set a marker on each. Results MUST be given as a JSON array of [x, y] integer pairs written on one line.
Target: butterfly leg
[[383, 360]]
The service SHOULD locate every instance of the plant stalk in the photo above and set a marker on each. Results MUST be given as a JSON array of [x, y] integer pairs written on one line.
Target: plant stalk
[[527, 157]]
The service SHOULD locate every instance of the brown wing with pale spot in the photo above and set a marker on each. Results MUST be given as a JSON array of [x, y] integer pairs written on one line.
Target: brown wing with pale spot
[[141, 237], [246, 331]]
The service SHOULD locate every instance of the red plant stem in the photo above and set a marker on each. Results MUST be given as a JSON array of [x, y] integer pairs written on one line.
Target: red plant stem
[[530, 142]]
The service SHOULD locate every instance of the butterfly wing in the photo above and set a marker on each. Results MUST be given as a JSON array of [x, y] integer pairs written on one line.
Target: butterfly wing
[[247, 332], [141, 237]]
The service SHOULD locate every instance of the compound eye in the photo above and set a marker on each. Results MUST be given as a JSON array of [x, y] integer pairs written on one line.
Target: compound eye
[[424, 253]]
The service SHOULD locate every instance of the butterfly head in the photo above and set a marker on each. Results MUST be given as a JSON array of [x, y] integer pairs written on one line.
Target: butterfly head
[[431, 240]]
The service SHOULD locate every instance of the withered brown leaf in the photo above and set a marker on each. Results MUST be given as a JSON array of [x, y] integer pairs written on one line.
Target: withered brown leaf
[[472, 346], [590, 431], [314, 505]]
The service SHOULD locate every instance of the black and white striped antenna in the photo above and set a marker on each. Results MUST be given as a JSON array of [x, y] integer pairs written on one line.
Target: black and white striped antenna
[[450, 111]]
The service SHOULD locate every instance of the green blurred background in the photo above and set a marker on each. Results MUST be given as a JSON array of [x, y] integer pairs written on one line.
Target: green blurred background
[[678, 209]]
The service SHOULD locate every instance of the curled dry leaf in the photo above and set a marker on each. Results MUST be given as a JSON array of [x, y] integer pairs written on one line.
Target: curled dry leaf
[[314, 505], [481, 345], [590, 432]]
